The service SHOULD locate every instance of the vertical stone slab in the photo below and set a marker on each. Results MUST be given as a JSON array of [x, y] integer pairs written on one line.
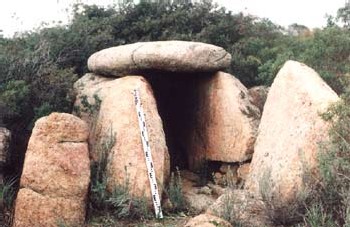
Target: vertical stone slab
[[116, 120], [290, 132], [56, 174], [227, 122]]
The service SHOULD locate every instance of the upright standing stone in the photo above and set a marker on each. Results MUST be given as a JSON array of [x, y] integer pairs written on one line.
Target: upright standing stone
[[56, 174], [290, 132], [227, 122], [116, 123]]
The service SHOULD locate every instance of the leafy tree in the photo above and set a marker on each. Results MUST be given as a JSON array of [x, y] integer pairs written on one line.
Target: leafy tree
[[15, 95], [328, 53], [343, 15]]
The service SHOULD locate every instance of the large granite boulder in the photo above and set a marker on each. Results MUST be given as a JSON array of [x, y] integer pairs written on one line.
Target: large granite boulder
[[174, 56], [56, 173], [227, 121], [290, 133], [113, 120]]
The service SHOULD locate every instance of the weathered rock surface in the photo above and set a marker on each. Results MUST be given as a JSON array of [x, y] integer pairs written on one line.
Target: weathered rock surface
[[39, 210], [226, 124], [56, 173], [207, 220], [243, 171], [289, 133], [241, 207], [114, 121], [174, 56], [5, 136], [258, 96]]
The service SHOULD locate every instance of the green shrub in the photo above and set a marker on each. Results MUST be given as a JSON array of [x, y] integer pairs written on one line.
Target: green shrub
[[15, 95], [90, 108], [98, 187], [123, 205], [281, 212], [175, 192], [330, 205], [326, 201], [8, 191], [117, 202], [230, 209], [316, 216]]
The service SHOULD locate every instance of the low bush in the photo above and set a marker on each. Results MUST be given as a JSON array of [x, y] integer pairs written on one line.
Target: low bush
[[280, 212], [330, 205], [175, 193], [116, 203]]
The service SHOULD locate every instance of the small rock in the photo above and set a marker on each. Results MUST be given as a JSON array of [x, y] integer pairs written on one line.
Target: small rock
[[218, 178], [167, 204], [196, 202], [205, 190], [216, 189], [241, 207], [207, 220], [243, 171]]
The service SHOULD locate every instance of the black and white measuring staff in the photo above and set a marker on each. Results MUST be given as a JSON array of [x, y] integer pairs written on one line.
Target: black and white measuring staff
[[148, 156]]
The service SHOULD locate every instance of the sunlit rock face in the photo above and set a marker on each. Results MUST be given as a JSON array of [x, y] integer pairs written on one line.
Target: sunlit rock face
[[290, 132], [227, 122], [173, 56], [56, 173], [115, 131]]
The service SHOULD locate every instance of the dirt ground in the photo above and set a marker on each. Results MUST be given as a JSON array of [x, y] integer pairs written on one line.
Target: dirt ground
[[175, 221]]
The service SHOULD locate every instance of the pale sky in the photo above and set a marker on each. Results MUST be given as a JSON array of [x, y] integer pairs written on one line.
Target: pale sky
[[20, 15]]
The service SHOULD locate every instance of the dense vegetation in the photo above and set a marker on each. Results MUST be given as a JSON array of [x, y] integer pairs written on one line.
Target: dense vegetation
[[38, 68]]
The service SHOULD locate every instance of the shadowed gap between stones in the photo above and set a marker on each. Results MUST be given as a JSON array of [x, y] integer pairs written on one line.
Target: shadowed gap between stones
[[177, 97]]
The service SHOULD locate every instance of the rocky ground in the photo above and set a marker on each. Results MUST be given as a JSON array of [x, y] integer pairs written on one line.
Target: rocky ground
[[167, 221]]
